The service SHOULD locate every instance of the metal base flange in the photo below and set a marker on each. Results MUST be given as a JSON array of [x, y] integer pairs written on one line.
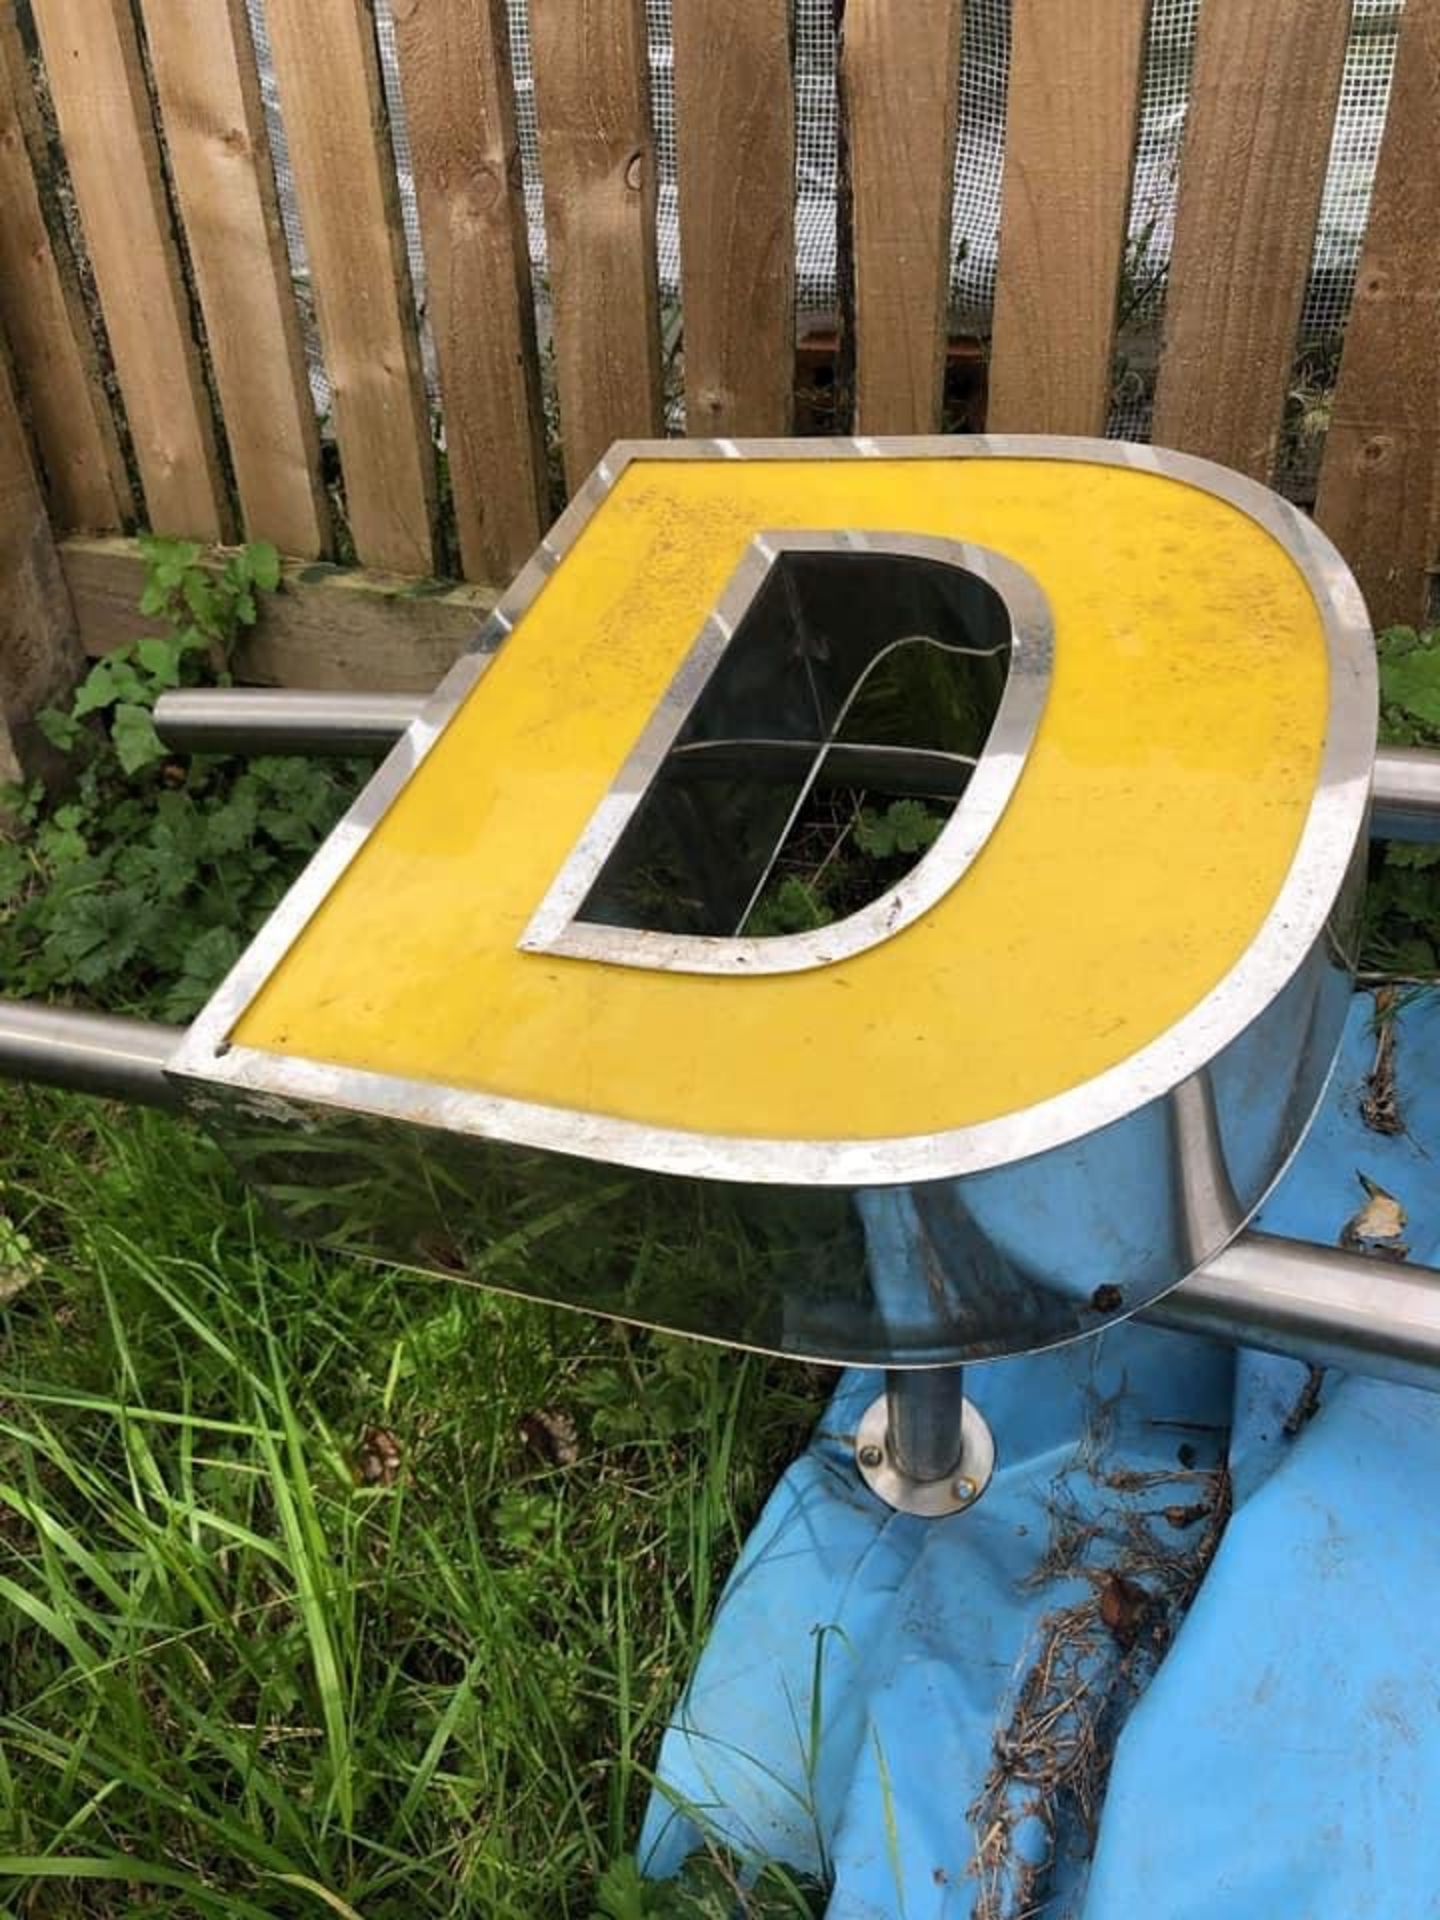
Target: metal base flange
[[931, 1499]]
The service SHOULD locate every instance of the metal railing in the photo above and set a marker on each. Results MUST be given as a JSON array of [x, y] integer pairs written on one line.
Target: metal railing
[[1369, 1315]]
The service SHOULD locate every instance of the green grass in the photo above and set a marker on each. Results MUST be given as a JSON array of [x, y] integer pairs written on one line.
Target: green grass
[[325, 1587], [322, 1587]]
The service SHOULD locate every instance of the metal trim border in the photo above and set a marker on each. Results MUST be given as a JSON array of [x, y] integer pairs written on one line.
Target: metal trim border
[[1334, 828], [556, 927]]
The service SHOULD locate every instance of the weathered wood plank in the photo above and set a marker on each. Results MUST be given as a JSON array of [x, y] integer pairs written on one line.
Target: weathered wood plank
[[1262, 111], [899, 75], [42, 314], [735, 141], [460, 111], [1069, 141], [1379, 496], [597, 155], [11, 770], [327, 627], [209, 94], [328, 71], [39, 654], [92, 60]]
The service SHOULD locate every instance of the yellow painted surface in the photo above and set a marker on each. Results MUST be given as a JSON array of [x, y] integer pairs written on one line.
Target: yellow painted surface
[[1145, 843]]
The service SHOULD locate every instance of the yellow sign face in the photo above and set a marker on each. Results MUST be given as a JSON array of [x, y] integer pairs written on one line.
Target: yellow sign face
[[1144, 845]]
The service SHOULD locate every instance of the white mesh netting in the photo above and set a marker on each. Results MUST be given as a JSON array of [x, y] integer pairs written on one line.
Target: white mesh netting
[[978, 166]]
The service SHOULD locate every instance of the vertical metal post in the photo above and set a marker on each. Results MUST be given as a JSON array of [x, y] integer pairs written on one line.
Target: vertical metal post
[[922, 1447], [925, 1421]]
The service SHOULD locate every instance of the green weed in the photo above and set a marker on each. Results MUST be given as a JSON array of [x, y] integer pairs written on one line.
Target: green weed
[[1402, 906], [323, 1585], [136, 886]]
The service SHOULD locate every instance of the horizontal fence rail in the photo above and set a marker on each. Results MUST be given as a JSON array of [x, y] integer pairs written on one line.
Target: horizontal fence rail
[[168, 338]]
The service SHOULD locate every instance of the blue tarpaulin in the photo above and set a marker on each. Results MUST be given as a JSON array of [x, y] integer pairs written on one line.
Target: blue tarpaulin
[[1181, 1660]]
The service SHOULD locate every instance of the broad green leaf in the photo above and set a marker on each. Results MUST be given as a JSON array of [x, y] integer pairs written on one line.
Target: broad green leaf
[[161, 659], [201, 598], [14, 872], [169, 560], [1412, 682], [108, 681], [62, 730], [264, 565], [137, 744]]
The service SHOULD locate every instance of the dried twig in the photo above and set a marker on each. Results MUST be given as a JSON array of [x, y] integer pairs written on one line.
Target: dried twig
[[1380, 1109], [1088, 1662]]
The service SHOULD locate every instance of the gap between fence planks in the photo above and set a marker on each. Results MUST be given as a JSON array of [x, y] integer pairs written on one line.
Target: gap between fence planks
[[899, 84], [1379, 494], [327, 627], [735, 157], [597, 157], [39, 654], [328, 72], [1252, 169], [460, 114], [209, 94], [1074, 103], [42, 313], [92, 61]]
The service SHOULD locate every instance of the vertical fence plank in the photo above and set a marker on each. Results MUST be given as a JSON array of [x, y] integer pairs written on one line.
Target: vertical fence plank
[[328, 71], [899, 76], [1262, 110], [1380, 477], [460, 111], [209, 93], [41, 311], [92, 59], [39, 650], [1069, 142], [735, 141], [598, 159]]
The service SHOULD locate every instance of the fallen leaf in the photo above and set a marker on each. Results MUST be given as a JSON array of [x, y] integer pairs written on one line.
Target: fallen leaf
[[1182, 1517], [13, 1282], [551, 1433], [379, 1460], [1124, 1608], [19, 1264], [1379, 1226], [437, 1251]]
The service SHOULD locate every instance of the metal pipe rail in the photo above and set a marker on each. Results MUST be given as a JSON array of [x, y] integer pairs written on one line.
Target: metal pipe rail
[[1314, 1303], [88, 1052], [277, 720], [1406, 794], [1369, 1315], [281, 720], [1362, 1312]]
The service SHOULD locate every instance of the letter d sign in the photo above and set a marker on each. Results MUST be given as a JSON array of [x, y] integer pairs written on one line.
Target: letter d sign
[[879, 900]]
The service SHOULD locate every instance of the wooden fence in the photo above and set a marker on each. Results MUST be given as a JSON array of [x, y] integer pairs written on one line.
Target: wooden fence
[[167, 175]]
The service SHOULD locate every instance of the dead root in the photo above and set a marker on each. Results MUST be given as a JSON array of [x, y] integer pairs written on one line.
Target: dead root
[[1380, 1108], [1088, 1662]]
